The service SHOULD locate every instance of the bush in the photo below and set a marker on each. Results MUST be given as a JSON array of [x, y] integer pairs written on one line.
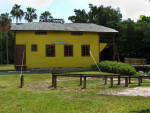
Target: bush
[[114, 67]]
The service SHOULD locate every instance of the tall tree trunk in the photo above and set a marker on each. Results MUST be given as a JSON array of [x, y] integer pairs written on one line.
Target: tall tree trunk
[[1, 48], [16, 20], [7, 43]]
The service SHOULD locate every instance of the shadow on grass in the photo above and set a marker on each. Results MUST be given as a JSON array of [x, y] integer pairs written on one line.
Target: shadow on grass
[[142, 111]]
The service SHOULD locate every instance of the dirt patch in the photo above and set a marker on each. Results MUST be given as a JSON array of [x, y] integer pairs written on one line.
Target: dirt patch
[[137, 91], [39, 87]]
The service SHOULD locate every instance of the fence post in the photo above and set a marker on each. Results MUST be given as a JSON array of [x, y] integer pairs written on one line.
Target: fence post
[[126, 82], [111, 82], [118, 80], [22, 81]]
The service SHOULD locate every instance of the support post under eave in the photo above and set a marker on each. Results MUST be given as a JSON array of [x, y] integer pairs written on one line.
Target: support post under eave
[[99, 49], [113, 48]]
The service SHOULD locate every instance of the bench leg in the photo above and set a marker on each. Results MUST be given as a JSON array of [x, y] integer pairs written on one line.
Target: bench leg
[[55, 81], [139, 81], [118, 80], [129, 79], [80, 80], [84, 83], [111, 82], [105, 81], [52, 80], [126, 82]]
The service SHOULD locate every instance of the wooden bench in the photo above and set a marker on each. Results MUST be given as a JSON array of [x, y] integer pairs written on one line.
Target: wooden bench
[[135, 61], [84, 76]]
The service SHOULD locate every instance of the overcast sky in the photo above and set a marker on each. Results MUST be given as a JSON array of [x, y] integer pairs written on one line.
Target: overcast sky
[[65, 8]]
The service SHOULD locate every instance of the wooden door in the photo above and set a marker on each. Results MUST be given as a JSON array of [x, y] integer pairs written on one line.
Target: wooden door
[[20, 55]]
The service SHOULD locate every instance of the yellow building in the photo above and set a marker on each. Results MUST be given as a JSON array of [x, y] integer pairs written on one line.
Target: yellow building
[[57, 45]]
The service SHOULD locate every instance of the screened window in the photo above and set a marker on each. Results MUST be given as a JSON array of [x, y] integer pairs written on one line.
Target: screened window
[[41, 32], [68, 50], [85, 50], [50, 50], [34, 47]]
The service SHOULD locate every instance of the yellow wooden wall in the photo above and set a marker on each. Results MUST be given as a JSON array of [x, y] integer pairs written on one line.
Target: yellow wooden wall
[[39, 60]]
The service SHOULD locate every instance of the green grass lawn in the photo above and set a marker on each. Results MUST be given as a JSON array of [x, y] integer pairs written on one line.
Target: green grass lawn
[[6, 68], [67, 98]]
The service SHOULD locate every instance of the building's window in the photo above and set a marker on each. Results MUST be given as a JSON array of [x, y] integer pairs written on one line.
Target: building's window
[[68, 50], [33, 47], [85, 50], [50, 50], [76, 33], [41, 32]]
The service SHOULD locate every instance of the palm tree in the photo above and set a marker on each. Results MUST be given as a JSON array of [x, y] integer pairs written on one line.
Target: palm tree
[[5, 21], [46, 17], [30, 15], [17, 13]]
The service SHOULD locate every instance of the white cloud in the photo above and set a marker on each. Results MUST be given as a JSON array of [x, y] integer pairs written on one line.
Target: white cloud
[[129, 8], [33, 3]]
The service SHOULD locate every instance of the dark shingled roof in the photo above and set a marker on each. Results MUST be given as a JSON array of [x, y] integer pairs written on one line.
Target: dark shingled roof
[[49, 26]]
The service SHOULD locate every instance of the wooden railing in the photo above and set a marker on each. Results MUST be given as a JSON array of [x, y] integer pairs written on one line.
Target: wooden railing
[[135, 61]]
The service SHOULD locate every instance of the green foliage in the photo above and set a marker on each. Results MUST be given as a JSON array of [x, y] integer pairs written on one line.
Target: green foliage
[[101, 15], [115, 67], [17, 12], [30, 15], [3, 53], [46, 17]]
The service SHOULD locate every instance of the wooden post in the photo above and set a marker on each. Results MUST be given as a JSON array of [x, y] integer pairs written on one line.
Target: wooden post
[[129, 79], [126, 82], [113, 48], [111, 82], [84, 83], [55, 81], [118, 80], [139, 81], [22, 81], [52, 80], [80, 80], [105, 81]]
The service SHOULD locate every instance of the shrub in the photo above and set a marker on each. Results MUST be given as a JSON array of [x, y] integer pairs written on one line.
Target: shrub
[[114, 67]]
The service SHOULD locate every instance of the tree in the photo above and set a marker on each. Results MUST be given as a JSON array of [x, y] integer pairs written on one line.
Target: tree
[[101, 15], [5, 21], [30, 15], [17, 13], [46, 17], [81, 16]]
